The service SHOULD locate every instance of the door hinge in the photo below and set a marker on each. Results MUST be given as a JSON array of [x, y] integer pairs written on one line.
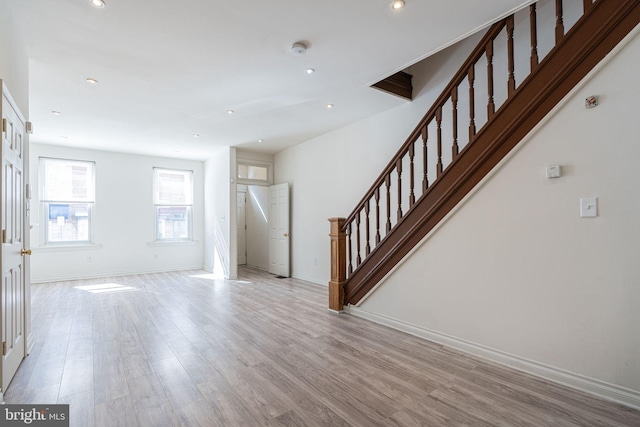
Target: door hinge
[[4, 236], [4, 348], [28, 127], [4, 124]]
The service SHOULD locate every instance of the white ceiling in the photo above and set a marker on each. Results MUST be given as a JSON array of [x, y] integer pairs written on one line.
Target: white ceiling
[[168, 69]]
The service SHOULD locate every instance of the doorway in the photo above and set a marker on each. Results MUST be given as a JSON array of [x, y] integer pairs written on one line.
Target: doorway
[[253, 226]]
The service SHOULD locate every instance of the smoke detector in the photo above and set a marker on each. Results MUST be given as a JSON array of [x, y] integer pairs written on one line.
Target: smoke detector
[[298, 48]]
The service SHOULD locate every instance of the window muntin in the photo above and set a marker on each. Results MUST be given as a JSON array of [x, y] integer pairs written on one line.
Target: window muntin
[[173, 204], [67, 199]]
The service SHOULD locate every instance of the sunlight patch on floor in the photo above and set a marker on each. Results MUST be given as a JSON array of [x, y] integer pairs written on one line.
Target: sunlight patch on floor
[[105, 288]]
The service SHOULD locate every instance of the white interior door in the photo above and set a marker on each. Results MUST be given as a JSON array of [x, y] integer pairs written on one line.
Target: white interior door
[[13, 297], [279, 232], [241, 222]]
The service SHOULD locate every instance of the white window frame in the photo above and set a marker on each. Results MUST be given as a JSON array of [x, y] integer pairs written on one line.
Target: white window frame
[[156, 205], [45, 203], [258, 163]]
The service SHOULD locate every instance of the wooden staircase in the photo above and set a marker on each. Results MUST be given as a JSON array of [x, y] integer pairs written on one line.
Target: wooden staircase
[[443, 159]]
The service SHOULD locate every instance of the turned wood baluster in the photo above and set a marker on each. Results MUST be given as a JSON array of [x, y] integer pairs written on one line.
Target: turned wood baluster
[[533, 23], [454, 104], [425, 179], [358, 258], [559, 22], [387, 182], [439, 140], [350, 256], [399, 170], [366, 213], [377, 195], [338, 264], [412, 196], [491, 107], [472, 104], [511, 84]]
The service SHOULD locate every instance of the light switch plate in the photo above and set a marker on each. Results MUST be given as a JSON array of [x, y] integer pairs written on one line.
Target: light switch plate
[[588, 207]]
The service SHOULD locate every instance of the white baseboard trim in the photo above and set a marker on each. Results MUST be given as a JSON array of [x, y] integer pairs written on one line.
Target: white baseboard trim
[[313, 280], [31, 341], [604, 390], [115, 273]]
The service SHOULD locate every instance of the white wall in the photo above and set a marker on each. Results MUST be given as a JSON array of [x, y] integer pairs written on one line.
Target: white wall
[[516, 270], [14, 63], [220, 220], [124, 225], [329, 174]]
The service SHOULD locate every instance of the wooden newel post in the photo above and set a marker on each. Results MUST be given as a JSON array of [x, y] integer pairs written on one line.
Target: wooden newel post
[[338, 264]]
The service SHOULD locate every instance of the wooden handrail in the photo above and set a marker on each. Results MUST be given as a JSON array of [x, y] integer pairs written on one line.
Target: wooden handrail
[[458, 78], [602, 26]]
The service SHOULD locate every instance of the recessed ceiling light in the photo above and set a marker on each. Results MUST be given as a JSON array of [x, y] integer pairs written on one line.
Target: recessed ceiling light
[[195, 135], [97, 3], [63, 137], [397, 4], [329, 106], [261, 140], [92, 81], [57, 113], [309, 71], [230, 111]]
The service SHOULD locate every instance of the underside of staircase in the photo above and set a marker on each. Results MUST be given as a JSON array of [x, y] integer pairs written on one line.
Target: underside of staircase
[[370, 242]]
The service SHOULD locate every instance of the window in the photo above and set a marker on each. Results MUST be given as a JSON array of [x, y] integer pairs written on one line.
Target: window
[[68, 196], [254, 172], [173, 200]]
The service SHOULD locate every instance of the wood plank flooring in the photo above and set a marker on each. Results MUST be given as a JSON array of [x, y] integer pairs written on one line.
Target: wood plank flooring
[[181, 349]]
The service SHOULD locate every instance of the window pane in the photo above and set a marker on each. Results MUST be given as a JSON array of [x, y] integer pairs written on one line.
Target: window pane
[[252, 172], [173, 222], [68, 222], [173, 187], [68, 180]]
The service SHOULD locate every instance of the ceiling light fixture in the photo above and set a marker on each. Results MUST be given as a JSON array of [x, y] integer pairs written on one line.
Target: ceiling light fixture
[[397, 4], [230, 111], [261, 140], [329, 106], [56, 113], [97, 3], [195, 135], [309, 71], [92, 81], [63, 137]]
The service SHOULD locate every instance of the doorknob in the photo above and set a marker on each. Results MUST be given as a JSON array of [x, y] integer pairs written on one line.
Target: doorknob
[[286, 234], [25, 252]]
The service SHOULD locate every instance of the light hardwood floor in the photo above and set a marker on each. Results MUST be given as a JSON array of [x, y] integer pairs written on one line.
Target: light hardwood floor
[[182, 349]]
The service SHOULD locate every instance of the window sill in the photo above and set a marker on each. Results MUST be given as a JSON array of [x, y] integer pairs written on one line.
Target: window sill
[[161, 243], [68, 247]]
